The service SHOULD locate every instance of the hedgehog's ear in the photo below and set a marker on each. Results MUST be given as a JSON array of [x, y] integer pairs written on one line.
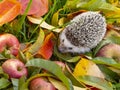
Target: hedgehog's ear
[[101, 12]]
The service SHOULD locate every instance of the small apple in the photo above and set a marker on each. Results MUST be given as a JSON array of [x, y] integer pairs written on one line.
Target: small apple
[[14, 68], [110, 51], [41, 84], [9, 42]]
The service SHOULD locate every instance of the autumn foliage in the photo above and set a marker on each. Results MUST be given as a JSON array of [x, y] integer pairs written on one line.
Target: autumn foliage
[[46, 49], [38, 7], [9, 9]]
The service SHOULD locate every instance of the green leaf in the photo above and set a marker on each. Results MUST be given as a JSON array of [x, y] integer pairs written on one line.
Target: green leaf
[[15, 83], [51, 67], [97, 5], [100, 83], [21, 82], [100, 45], [117, 86], [22, 57], [58, 85], [72, 78], [33, 71], [34, 48], [110, 39], [6, 53], [74, 59], [104, 60], [4, 83], [2, 74], [114, 39], [64, 57], [2, 57], [71, 4], [25, 85], [109, 74], [115, 65], [22, 19]]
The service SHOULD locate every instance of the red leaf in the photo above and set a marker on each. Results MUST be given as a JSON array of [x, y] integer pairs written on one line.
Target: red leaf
[[47, 48]]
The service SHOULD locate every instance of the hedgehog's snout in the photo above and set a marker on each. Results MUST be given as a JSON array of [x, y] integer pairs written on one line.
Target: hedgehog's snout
[[62, 48]]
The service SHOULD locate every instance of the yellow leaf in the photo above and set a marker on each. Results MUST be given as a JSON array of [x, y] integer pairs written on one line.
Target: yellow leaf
[[58, 85], [87, 67], [55, 18], [113, 14], [28, 56], [43, 24], [34, 48], [62, 21], [79, 88], [114, 2]]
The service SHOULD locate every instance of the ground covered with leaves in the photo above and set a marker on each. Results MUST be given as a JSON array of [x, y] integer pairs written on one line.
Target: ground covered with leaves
[[38, 35]]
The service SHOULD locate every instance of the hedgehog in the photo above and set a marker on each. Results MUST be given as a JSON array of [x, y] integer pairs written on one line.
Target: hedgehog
[[83, 33]]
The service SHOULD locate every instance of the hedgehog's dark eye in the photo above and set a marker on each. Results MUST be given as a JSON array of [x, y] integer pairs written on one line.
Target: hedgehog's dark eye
[[63, 40], [70, 48]]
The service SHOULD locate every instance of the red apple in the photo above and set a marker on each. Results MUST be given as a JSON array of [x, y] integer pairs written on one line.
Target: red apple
[[110, 51], [41, 84], [14, 68], [10, 42]]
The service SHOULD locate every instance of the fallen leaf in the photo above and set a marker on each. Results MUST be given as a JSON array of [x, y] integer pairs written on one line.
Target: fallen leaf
[[87, 67], [46, 49], [43, 24], [62, 21], [110, 33], [114, 2], [58, 85], [96, 83], [9, 9], [55, 18], [33, 49], [79, 88], [38, 7]]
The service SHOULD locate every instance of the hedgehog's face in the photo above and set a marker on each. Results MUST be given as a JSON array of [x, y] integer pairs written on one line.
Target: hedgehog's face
[[66, 46]]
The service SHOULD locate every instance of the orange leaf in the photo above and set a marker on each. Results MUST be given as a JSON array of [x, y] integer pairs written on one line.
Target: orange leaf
[[47, 48], [9, 9]]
